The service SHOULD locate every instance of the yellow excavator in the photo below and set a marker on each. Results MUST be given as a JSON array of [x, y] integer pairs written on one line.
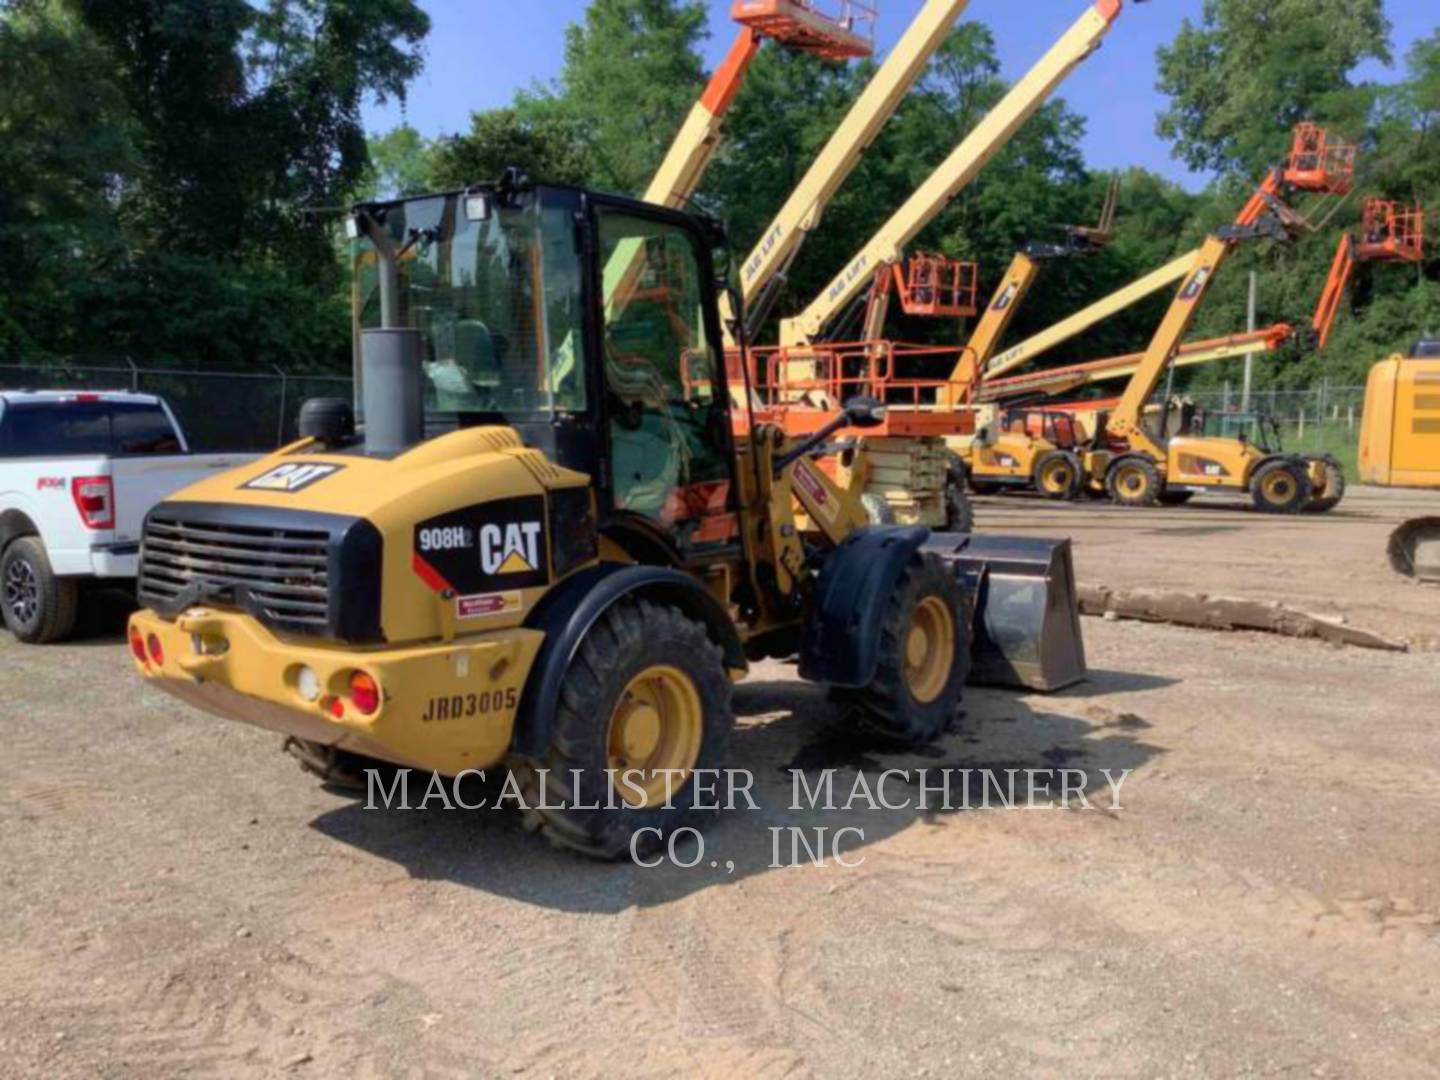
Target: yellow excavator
[[559, 569], [1400, 447]]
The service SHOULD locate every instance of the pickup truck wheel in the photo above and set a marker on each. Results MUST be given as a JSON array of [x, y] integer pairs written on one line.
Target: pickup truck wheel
[[924, 656], [644, 707], [38, 606]]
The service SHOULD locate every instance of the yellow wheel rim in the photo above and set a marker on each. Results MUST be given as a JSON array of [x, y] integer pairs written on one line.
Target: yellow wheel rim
[[654, 736], [1057, 478], [1279, 487], [929, 649], [1132, 481]]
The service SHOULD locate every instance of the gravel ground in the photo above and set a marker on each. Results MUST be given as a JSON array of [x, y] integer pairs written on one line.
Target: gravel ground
[[1265, 899]]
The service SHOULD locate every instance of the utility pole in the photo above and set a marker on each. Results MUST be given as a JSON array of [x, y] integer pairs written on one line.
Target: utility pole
[[1249, 357]]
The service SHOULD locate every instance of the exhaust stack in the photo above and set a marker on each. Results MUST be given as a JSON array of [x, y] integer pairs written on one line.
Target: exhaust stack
[[392, 389]]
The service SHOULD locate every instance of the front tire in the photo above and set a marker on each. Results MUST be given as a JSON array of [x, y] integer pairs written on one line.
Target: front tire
[[1133, 481], [924, 655], [1280, 487], [646, 698], [1058, 475], [38, 606], [1334, 490]]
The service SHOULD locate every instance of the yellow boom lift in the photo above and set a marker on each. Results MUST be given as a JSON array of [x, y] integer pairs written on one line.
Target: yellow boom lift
[[888, 244], [905, 465], [794, 24], [763, 273], [563, 576]]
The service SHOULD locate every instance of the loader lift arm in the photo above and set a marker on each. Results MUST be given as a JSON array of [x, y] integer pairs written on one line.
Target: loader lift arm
[[954, 174]]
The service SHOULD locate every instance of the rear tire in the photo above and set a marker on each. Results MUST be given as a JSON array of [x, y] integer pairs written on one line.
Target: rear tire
[[38, 606], [924, 656], [1280, 487], [646, 691], [1058, 475], [959, 510], [1334, 490], [1133, 481]]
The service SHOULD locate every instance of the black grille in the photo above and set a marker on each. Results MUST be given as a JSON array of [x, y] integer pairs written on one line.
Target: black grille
[[285, 572], [295, 570]]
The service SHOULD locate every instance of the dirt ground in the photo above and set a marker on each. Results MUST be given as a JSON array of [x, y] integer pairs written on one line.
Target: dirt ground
[[1327, 564], [180, 899]]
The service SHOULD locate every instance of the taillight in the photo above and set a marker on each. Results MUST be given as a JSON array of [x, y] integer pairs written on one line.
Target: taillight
[[137, 646], [364, 693], [157, 654], [95, 499]]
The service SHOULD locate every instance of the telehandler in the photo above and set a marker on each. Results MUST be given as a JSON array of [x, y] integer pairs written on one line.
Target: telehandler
[[560, 569]]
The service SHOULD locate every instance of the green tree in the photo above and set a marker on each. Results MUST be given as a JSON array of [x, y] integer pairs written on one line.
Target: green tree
[[401, 163], [1252, 69], [249, 117], [65, 147], [170, 187], [632, 71], [540, 139]]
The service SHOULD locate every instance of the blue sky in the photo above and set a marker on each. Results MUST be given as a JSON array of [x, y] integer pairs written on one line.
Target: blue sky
[[480, 51]]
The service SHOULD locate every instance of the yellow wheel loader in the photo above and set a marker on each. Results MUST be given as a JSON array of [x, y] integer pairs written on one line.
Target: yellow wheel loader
[[546, 550]]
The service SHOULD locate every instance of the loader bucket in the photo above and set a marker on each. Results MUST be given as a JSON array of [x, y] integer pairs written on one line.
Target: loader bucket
[[1414, 549], [1026, 617]]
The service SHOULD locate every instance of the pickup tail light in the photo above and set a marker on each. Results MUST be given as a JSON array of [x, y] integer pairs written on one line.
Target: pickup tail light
[[95, 499]]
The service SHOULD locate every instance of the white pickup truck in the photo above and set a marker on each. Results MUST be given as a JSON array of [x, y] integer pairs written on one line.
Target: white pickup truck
[[78, 473]]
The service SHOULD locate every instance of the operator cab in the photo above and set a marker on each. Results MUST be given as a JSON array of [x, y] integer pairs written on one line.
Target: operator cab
[[586, 322]]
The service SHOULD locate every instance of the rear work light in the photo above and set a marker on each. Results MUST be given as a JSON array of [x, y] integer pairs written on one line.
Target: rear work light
[[137, 645], [95, 499], [157, 654]]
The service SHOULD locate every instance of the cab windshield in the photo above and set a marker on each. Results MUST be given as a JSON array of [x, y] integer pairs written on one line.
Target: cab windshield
[[495, 294]]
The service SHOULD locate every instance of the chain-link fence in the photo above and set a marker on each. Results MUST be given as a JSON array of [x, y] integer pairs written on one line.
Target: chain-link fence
[[219, 410]]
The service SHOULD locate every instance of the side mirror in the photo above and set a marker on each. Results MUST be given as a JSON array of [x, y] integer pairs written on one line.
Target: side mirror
[[865, 412]]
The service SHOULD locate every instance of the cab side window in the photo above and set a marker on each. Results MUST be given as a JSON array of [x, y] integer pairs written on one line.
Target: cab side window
[[668, 437]]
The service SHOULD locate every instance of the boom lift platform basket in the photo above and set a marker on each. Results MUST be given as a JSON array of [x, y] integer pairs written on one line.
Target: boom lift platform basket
[[803, 387], [840, 30], [933, 286], [1389, 232]]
